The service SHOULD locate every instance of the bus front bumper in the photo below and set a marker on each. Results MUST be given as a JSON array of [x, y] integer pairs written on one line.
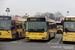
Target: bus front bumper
[[36, 38], [68, 39], [5, 37]]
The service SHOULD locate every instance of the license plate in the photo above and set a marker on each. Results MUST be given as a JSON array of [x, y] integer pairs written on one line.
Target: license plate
[[35, 38]]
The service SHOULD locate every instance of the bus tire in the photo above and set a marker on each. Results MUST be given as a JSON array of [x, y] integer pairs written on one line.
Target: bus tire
[[54, 35], [17, 36]]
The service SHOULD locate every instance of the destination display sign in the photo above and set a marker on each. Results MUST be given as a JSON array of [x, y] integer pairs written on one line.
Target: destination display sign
[[35, 19], [5, 18]]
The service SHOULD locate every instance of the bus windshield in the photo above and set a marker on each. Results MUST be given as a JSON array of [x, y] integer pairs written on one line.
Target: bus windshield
[[59, 26], [36, 26], [69, 26], [5, 24]]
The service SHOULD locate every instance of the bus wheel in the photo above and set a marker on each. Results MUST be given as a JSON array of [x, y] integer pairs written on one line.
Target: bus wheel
[[17, 36], [54, 35]]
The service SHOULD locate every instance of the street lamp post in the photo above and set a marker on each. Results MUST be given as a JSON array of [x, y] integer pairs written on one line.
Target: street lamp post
[[67, 13], [8, 10]]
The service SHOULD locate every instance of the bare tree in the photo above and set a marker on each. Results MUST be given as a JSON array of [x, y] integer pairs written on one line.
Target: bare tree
[[53, 16], [38, 14], [58, 15]]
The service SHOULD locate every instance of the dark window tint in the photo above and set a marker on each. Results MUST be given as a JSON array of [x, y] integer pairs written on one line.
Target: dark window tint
[[54, 26], [20, 25], [13, 25], [17, 24]]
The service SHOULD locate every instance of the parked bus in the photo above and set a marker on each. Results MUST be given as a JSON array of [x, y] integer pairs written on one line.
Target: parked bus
[[11, 29], [68, 29], [59, 27], [40, 28]]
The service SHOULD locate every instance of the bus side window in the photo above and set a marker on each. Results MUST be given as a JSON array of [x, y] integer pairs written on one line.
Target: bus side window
[[17, 24], [20, 25], [54, 26], [50, 27]]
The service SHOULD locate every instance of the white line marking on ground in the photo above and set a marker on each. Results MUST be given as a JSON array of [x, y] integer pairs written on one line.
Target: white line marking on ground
[[20, 42], [58, 41], [14, 42], [51, 43], [54, 43], [48, 43]]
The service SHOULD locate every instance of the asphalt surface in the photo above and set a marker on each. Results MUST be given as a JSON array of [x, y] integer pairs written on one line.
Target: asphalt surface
[[22, 44]]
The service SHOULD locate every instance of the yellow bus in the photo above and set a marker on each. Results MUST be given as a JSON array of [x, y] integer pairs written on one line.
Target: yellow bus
[[68, 29], [40, 28], [11, 29]]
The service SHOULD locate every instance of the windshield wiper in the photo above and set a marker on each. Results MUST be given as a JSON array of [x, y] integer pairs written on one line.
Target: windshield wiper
[[35, 30], [31, 30], [4, 29], [40, 29]]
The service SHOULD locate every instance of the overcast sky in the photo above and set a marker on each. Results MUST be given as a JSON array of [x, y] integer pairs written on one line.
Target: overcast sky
[[20, 7]]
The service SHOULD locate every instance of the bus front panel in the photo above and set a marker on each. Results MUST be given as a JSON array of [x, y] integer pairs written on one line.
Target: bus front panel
[[69, 31], [36, 30]]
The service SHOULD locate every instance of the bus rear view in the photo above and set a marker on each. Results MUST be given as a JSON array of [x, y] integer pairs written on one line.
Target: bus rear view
[[69, 29], [59, 27]]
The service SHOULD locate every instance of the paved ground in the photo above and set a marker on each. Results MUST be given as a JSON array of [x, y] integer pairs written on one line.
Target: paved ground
[[22, 44]]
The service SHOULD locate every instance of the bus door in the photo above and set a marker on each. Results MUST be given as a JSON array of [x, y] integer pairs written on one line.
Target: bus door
[[18, 27], [23, 29], [13, 29], [50, 30]]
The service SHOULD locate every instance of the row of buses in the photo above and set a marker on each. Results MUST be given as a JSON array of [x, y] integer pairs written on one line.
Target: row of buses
[[36, 28], [32, 28]]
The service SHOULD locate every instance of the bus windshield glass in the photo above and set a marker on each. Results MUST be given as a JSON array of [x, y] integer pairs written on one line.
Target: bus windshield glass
[[69, 26], [59, 26], [36, 26], [5, 24]]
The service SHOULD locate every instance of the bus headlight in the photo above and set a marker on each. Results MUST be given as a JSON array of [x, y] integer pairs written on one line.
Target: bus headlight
[[27, 36]]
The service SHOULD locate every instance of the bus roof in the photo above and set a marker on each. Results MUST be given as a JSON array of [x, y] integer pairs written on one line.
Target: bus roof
[[58, 22], [5, 16], [19, 19], [47, 19], [69, 16]]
